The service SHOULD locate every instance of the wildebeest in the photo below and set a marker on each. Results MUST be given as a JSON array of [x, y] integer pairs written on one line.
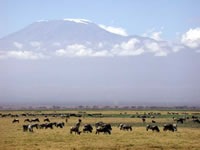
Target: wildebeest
[[42, 125], [180, 120], [25, 128], [101, 124], [143, 120], [15, 120], [35, 120], [153, 121], [28, 120], [153, 128], [87, 128], [47, 120], [35, 126], [125, 127], [103, 129], [170, 127], [196, 120], [61, 124], [75, 129], [194, 117], [50, 125]]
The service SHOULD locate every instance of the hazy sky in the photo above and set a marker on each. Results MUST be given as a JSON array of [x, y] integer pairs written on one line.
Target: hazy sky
[[158, 66], [172, 18]]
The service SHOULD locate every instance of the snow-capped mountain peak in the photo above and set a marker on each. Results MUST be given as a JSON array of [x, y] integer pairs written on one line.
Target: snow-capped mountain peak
[[84, 21]]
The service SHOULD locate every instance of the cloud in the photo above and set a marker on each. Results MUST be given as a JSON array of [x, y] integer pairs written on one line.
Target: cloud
[[18, 45], [35, 44], [130, 44], [130, 48], [79, 50], [22, 55], [115, 30], [156, 35], [191, 38]]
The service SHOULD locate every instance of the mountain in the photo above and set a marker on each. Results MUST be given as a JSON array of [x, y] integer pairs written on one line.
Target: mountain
[[57, 34]]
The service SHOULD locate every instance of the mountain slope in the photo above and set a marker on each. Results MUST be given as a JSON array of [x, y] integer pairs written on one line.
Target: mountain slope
[[59, 33]]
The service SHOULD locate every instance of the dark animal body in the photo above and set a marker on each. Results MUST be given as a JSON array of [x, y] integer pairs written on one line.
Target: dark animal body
[[75, 130], [87, 128], [103, 127], [180, 120], [15, 120], [153, 128], [35, 120], [196, 120], [61, 124], [125, 127], [47, 120], [170, 127], [27, 120]]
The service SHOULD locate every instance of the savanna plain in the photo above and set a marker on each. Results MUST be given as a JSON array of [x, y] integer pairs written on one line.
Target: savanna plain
[[12, 136]]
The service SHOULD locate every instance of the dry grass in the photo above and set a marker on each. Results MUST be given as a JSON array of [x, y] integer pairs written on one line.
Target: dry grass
[[13, 138]]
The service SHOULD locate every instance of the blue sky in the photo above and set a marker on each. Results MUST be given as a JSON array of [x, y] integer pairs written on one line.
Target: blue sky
[[137, 17]]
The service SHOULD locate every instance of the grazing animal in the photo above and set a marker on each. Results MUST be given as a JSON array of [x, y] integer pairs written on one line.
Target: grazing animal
[[47, 120], [15, 120], [87, 128], [143, 120], [35, 126], [103, 129], [196, 120], [75, 130], [125, 127], [25, 128], [61, 124], [180, 120], [170, 127], [35, 120], [194, 117], [153, 121], [42, 125], [153, 128], [28, 120], [49, 125]]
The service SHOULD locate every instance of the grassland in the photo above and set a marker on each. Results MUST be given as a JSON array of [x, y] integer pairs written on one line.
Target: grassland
[[187, 137]]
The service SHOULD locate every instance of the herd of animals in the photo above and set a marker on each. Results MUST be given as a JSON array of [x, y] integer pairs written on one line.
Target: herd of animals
[[100, 126]]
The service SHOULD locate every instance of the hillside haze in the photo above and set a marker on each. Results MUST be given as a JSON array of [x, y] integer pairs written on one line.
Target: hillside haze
[[77, 62]]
